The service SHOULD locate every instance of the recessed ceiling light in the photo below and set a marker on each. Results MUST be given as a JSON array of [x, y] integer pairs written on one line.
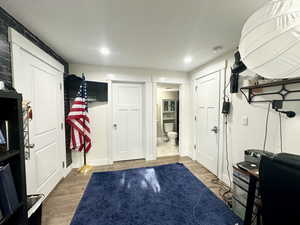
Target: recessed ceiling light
[[104, 51], [188, 59]]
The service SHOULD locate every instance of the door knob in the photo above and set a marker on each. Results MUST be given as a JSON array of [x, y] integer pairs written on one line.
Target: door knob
[[115, 126], [215, 129]]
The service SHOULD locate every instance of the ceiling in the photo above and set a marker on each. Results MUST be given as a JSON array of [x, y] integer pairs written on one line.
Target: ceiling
[[154, 34]]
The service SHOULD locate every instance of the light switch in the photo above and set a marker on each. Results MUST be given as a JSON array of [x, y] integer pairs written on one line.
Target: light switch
[[245, 120]]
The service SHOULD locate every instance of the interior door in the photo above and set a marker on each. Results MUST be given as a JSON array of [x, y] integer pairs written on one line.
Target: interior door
[[40, 84], [127, 121], [207, 119]]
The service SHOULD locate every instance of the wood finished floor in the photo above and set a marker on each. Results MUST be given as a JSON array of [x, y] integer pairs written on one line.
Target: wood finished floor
[[61, 204]]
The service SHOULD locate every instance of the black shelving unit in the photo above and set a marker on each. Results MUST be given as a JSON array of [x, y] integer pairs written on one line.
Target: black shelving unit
[[250, 92], [11, 111]]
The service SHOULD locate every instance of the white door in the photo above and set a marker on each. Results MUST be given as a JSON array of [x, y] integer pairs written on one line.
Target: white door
[[127, 121], [207, 119], [40, 84]]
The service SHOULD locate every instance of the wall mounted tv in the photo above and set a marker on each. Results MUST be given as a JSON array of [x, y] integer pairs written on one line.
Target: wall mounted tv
[[97, 91]]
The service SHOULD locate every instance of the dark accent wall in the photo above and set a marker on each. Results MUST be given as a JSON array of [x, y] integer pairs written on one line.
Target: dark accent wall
[[6, 20], [5, 62]]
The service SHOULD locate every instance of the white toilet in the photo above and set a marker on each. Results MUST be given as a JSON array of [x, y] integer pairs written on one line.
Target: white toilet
[[172, 135]]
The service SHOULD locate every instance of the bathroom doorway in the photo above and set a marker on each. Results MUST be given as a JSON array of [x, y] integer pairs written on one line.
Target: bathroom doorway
[[167, 117]]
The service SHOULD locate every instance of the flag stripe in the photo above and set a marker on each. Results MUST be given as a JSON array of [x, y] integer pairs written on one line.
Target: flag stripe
[[79, 121]]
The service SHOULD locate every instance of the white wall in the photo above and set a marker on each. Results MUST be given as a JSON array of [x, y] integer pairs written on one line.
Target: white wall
[[242, 137], [100, 116]]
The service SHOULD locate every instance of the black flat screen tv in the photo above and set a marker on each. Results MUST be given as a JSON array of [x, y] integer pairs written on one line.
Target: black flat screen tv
[[97, 91]]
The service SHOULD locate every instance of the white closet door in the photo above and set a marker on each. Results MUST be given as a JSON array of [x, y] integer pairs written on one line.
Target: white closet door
[[207, 101], [127, 121], [40, 84]]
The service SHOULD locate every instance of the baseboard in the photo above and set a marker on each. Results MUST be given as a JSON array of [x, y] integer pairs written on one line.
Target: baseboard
[[75, 165], [151, 158], [94, 162], [68, 170], [187, 153], [190, 154], [98, 162], [225, 179]]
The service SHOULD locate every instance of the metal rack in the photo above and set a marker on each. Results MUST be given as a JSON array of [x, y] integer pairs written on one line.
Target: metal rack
[[282, 94], [11, 111]]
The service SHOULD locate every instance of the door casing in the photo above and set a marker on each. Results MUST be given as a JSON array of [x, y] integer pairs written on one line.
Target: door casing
[[154, 115], [143, 125], [203, 112], [219, 68], [20, 45]]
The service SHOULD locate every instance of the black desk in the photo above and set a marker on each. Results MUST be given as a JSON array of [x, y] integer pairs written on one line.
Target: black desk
[[253, 179]]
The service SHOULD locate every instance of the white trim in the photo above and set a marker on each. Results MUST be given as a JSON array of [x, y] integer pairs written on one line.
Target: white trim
[[146, 80], [98, 162], [154, 121], [16, 38], [225, 178], [68, 170], [150, 100], [147, 114], [190, 155], [221, 129], [92, 162], [217, 66], [206, 70], [220, 119], [109, 124], [194, 112], [149, 121], [20, 43], [181, 118]]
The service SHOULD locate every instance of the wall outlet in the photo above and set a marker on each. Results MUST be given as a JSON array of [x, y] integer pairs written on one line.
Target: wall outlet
[[245, 120]]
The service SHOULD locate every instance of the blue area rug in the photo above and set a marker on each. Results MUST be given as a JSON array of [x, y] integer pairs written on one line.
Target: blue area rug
[[162, 195]]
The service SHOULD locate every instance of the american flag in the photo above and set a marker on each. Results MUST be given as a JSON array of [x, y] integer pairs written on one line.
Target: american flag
[[79, 121]]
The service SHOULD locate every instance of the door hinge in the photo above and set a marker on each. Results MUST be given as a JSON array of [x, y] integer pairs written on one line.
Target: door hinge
[[63, 164], [60, 86], [195, 147], [196, 88], [62, 126]]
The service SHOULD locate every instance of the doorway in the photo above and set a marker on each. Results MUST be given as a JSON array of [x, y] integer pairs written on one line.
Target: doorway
[[207, 121], [167, 120], [128, 117]]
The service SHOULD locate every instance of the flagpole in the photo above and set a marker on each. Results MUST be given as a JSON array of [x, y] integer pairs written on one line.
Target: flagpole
[[85, 168]]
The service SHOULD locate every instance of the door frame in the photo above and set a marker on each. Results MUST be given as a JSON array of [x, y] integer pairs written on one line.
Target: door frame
[[149, 106], [154, 115], [19, 42], [219, 69], [143, 115]]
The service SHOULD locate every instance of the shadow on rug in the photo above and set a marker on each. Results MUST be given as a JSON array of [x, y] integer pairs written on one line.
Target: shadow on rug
[[162, 195]]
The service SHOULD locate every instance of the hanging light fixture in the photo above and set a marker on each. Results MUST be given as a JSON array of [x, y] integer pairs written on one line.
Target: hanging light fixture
[[270, 40]]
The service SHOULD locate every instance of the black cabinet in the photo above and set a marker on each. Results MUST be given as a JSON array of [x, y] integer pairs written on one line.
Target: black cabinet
[[11, 111], [241, 182]]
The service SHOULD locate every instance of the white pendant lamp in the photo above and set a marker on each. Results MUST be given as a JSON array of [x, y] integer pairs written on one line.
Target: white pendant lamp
[[270, 41]]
